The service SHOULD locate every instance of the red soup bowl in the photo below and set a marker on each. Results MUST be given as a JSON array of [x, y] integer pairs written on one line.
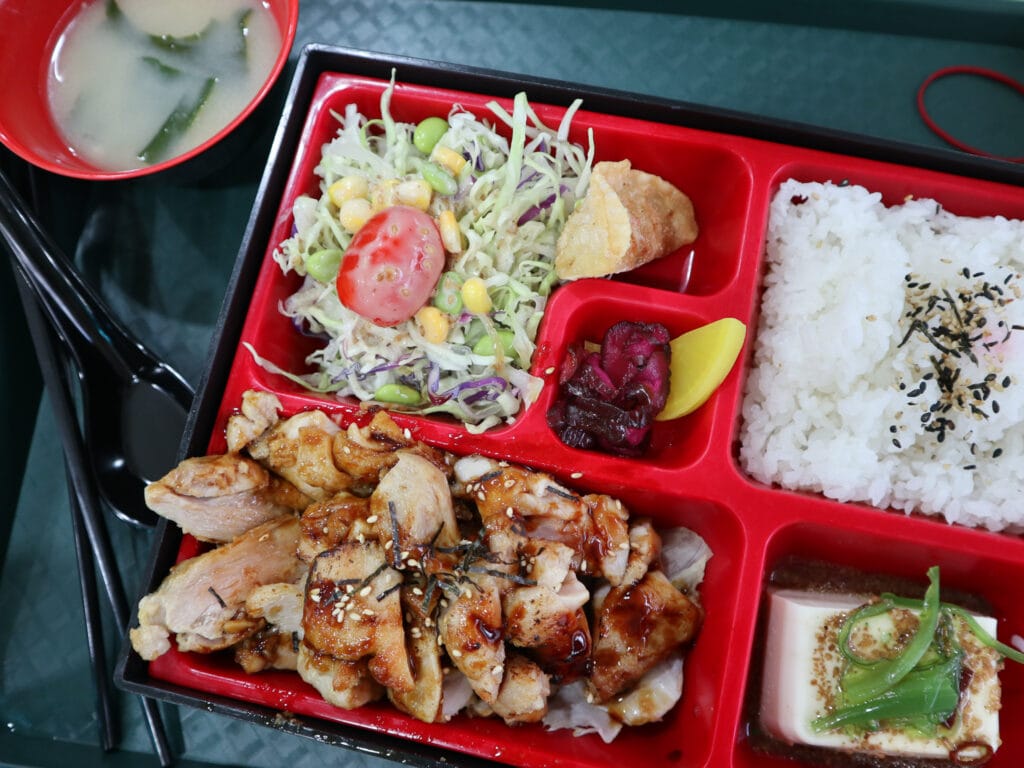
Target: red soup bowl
[[30, 31]]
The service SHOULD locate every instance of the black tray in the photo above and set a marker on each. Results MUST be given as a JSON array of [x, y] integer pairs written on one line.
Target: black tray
[[132, 671]]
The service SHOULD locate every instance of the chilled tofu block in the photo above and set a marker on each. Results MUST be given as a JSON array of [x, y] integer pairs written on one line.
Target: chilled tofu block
[[802, 669]]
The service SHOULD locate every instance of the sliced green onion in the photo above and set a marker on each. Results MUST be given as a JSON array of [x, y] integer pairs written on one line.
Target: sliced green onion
[[242, 51], [931, 693], [182, 43], [863, 613], [176, 124], [976, 629], [984, 637], [165, 70], [886, 673]]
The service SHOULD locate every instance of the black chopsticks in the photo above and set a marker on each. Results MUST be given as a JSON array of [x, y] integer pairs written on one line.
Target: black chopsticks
[[87, 520], [93, 625]]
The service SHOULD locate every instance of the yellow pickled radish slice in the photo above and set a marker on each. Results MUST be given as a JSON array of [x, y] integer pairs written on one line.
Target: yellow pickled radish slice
[[701, 359]]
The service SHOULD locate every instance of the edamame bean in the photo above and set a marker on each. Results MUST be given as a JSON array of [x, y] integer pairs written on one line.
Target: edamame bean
[[322, 265], [486, 344], [448, 297], [439, 179], [426, 135], [398, 394]]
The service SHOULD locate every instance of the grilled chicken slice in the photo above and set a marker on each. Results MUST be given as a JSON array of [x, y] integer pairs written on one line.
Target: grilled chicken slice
[[548, 617], [638, 626], [518, 505], [608, 539], [345, 684], [644, 551], [424, 701], [258, 413], [471, 630], [299, 450], [276, 645], [457, 696], [412, 506], [216, 498], [269, 648], [353, 611], [653, 696], [523, 696], [279, 604], [202, 600], [326, 524], [366, 452]]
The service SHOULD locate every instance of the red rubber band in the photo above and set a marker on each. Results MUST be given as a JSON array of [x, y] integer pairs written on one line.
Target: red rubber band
[[990, 74]]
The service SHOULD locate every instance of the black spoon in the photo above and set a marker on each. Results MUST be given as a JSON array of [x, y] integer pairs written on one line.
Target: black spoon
[[134, 405]]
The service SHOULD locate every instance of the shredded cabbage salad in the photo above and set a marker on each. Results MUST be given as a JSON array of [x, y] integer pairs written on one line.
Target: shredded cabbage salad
[[512, 199]]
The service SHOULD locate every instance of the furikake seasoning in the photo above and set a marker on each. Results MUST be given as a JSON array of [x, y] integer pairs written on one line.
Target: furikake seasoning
[[959, 324]]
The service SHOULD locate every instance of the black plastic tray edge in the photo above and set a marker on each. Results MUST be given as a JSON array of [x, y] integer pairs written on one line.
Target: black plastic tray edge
[[997, 22], [131, 672]]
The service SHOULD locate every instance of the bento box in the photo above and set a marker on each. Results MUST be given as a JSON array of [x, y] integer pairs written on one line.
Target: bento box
[[690, 475]]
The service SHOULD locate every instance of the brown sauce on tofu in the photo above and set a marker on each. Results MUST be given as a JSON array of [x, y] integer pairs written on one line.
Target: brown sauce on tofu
[[826, 577]]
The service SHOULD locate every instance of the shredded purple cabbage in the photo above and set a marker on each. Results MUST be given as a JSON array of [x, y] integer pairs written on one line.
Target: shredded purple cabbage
[[486, 389], [534, 210]]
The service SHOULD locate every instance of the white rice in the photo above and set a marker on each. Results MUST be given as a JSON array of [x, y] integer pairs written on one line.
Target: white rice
[[831, 403]]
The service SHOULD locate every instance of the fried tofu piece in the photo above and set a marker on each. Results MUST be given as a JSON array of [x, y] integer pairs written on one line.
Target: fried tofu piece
[[627, 218]]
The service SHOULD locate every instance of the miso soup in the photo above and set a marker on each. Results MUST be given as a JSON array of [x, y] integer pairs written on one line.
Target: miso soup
[[135, 82]]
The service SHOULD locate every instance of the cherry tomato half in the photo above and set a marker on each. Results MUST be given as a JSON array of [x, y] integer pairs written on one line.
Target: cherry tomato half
[[391, 266]]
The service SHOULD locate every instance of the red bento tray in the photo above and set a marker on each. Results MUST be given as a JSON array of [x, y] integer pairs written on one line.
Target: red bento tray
[[690, 475]]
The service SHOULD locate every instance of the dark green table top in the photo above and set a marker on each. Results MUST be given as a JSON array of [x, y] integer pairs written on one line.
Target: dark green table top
[[162, 250]]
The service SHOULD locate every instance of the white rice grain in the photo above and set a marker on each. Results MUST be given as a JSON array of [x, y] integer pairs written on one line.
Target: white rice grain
[[845, 393]]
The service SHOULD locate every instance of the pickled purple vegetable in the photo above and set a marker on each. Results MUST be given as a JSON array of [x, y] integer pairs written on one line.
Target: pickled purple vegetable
[[608, 399]]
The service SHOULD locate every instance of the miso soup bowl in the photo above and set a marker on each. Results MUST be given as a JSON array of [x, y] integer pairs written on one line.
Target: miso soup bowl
[[29, 29]]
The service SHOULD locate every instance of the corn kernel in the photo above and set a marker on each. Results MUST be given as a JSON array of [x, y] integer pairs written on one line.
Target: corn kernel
[[449, 158], [347, 188], [354, 213], [433, 324], [384, 194], [451, 235], [414, 192], [475, 297]]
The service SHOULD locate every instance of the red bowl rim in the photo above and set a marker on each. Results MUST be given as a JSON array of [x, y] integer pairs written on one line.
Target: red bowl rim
[[287, 40]]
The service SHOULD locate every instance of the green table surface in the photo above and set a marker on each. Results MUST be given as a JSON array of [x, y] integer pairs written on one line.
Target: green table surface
[[161, 251]]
